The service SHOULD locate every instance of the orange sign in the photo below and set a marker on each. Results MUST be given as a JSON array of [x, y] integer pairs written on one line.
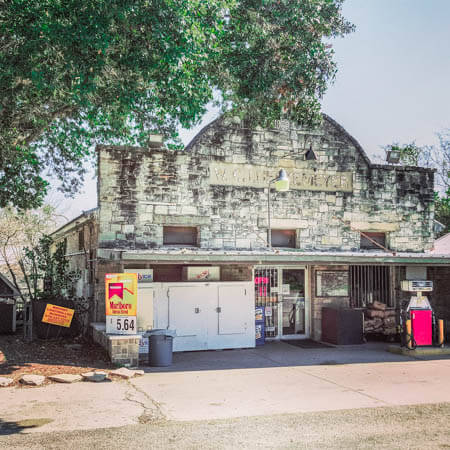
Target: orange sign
[[121, 294], [57, 315]]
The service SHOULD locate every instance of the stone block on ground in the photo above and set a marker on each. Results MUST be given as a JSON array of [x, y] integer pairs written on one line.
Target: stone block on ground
[[4, 382], [32, 380], [96, 377], [123, 372], [65, 378]]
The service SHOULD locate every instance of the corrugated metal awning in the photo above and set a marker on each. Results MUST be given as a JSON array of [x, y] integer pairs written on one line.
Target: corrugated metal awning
[[188, 256]]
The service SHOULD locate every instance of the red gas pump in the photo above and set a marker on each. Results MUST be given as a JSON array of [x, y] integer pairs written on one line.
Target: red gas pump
[[419, 317]]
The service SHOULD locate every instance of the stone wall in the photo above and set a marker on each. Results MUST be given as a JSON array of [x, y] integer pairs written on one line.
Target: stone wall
[[122, 350], [143, 189]]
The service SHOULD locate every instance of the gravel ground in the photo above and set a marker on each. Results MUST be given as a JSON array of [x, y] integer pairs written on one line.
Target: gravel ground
[[409, 427], [49, 357]]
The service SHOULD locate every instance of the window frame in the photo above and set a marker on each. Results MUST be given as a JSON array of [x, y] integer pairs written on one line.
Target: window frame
[[280, 232], [195, 236], [374, 235]]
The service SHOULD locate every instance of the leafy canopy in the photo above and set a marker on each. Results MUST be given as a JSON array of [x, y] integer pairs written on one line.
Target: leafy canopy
[[75, 73]]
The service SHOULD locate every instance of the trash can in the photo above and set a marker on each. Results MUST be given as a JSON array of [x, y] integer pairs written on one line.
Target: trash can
[[160, 345]]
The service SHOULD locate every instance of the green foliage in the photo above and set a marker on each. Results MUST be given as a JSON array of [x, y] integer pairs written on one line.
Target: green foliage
[[442, 210], [411, 154], [78, 73], [49, 276]]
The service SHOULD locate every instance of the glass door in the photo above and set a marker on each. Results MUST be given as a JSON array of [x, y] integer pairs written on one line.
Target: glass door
[[266, 281], [293, 303]]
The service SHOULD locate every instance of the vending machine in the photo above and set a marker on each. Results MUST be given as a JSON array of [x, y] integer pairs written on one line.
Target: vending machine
[[260, 325]]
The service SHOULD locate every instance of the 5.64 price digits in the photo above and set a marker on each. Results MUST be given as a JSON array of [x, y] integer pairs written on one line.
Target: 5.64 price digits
[[125, 324]]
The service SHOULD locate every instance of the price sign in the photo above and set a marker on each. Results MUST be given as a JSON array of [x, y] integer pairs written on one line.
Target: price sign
[[121, 325]]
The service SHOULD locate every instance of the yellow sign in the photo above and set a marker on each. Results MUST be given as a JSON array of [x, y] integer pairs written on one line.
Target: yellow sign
[[121, 294], [247, 175], [57, 315]]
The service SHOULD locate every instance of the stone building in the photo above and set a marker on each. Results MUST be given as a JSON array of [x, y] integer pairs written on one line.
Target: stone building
[[345, 233]]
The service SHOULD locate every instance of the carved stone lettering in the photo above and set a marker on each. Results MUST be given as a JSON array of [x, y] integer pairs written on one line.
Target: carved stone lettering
[[259, 176]]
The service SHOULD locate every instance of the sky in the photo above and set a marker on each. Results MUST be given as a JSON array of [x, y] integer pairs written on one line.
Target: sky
[[392, 84]]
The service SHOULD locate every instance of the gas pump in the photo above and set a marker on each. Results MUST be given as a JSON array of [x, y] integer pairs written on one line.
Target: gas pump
[[420, 326]]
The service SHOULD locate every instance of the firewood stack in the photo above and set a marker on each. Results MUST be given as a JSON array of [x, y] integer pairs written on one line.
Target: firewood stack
[[379, 319]]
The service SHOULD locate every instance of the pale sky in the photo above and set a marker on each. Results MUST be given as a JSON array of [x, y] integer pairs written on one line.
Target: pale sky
[[392, 85]]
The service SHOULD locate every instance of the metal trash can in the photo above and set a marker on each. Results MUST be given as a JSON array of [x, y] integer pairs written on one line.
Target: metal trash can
[[160, 347]]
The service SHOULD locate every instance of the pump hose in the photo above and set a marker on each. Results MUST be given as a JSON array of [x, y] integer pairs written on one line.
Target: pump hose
[[410, 340]]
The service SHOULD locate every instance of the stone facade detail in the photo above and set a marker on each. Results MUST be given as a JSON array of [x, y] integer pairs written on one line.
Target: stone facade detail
[[143, 189], [122, 350]]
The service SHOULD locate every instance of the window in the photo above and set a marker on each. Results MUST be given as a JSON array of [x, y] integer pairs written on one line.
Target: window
[[369, 283], [180, 236], [81, 239], [283, 238], [367, 244]]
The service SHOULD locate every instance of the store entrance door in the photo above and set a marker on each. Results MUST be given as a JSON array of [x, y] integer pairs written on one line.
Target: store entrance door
[[293, 302], [282, 291]]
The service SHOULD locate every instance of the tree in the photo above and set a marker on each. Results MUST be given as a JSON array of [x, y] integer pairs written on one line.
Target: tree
[[77, 73], [19, 231]]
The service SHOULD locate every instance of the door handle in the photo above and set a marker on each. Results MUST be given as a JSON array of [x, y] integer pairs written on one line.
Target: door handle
[[219, 309], [196, 310]]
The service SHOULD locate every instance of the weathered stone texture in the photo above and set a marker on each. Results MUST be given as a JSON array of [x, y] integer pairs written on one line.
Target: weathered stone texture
[[141, 190]]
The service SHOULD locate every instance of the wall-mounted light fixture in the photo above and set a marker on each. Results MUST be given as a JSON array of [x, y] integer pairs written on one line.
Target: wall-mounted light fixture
[[281, 185]]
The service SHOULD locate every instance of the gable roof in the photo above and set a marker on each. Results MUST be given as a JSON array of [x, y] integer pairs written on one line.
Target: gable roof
[[7, 289], [442, 245]]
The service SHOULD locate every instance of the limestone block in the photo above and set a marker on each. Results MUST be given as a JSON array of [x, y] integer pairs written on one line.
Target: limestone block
[[107, 236], [332, 241], [243, 243], [32, 380], [161, 209], [286, 163], [283, 224], [123, 372], [65, 378], [5, 382], [189, 210], [95, 377], [381, 227]]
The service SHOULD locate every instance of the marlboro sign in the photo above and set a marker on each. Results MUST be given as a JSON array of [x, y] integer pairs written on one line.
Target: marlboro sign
[[121, 294]]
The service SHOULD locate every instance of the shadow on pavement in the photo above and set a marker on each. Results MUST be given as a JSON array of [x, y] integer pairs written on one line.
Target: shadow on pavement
[[281, 354], [7, 428]]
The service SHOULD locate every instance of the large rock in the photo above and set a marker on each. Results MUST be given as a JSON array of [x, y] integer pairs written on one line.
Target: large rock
[[32, 380], [126, 373], [94, 376], [65, 378], [4, 382], [123, 372]]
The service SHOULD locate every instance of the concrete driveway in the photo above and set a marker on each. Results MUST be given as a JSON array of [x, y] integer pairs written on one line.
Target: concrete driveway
[[275, 379], [281, 378]]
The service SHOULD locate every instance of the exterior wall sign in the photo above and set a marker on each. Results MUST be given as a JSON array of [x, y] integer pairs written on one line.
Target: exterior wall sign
[[332, 283], [121, 294], [197, 273], [57, 315], [228, 174], [143, 275]]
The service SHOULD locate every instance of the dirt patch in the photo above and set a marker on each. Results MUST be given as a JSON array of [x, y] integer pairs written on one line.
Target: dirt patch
[[49, 357]]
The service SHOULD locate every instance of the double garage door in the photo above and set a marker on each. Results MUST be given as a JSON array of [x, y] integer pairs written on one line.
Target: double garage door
[[211, 315]]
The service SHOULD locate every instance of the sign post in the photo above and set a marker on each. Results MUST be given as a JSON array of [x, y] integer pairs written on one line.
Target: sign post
[[121, 303]]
